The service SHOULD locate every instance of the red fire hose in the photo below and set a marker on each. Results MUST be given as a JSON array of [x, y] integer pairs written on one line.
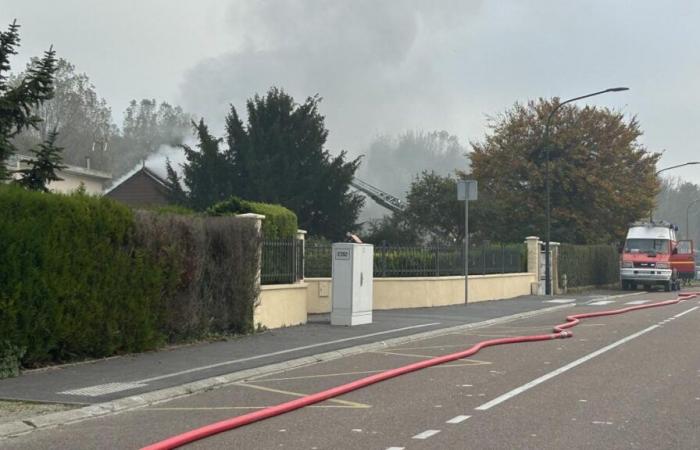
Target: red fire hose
[[272, 411]]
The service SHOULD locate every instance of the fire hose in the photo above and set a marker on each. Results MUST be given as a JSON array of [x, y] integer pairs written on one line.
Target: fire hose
[[560, 332]]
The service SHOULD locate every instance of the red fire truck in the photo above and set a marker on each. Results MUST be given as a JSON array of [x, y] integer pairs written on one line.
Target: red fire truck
[[653, 256]]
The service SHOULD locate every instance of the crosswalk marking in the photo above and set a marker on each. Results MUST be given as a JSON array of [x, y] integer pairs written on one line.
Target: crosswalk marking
[[601, 302], [637, 302]]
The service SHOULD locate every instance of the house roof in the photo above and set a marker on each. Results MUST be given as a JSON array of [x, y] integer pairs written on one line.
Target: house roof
[[144, 170]]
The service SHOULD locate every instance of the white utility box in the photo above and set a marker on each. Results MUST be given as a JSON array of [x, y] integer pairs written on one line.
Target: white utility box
[[353, 266]]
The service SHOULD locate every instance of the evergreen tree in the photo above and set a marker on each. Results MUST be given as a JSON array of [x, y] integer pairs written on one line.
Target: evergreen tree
[[207, 173], [43, 167], [17, 101], [279, 157]]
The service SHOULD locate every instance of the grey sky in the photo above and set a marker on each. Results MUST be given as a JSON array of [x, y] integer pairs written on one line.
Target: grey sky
[[386, 67]]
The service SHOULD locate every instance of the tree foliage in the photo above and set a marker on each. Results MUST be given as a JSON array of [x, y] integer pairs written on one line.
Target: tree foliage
[[42, 168], [280, 157], [602, 176], [675, 204], [146, 127], [17, 101], [82, 116]]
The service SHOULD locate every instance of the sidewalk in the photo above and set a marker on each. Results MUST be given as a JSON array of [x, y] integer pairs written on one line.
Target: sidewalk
[[116, 378]]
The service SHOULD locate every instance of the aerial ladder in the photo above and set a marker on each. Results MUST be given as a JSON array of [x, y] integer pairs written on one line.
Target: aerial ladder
[[384, 199]]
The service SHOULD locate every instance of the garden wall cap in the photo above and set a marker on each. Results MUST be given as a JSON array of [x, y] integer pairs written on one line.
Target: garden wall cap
[[251, 216]]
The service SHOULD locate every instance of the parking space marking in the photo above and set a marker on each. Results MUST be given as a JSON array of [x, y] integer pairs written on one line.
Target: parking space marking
[[322, 375], [426, 434], [458, 419], [297, 394], [95, 391], [600, 302]]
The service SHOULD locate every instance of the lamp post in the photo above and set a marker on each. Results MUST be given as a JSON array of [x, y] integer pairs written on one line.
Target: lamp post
[[545, 143], [687, 218], [689, 163]]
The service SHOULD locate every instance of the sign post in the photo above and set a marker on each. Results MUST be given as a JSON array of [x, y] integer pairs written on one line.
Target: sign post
[[466, 191]]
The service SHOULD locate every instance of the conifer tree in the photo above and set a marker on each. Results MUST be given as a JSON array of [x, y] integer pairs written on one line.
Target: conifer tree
[[43, 167], [17, 101]]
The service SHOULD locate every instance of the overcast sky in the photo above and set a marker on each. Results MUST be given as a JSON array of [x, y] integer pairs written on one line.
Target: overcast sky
[[386, 66]]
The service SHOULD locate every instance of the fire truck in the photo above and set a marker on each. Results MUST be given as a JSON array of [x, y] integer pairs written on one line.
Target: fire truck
[[653, 256]]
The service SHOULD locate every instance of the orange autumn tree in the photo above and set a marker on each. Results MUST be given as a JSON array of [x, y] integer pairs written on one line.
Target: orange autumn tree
[[603, 178]]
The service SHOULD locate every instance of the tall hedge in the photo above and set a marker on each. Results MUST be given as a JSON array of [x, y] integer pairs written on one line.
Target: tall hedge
[[279, 223], [86, 277], [72, 282], [589, 265]]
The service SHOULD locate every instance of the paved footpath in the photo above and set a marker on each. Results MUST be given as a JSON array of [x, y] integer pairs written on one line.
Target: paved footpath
[[115, 378]]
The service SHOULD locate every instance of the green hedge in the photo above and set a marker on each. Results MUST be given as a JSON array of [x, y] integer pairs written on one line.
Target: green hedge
[[86, 277], [72, 282], [279, 223], [589, 265]]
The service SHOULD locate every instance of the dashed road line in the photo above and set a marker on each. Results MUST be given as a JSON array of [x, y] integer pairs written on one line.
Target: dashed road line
[[426, 434], [457, 419], [571, 365]]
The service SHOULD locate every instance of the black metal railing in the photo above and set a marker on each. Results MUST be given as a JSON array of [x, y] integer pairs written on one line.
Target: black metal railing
[[426, 261], [282, 261]]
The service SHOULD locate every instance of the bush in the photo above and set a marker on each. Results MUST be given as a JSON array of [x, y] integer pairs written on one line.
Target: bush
[[72, 283], [85, 276], [210, 268], [279, 223], [589, 265]]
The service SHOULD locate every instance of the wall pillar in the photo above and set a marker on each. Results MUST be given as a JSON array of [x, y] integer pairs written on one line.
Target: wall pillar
[[533, 260], [257, 220]]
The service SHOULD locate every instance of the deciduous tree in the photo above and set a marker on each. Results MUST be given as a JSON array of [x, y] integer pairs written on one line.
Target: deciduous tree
[[602, 176]]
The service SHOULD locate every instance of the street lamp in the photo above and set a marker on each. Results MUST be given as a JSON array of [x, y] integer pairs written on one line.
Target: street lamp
[[687, 218], [690, 163], [548, 269]]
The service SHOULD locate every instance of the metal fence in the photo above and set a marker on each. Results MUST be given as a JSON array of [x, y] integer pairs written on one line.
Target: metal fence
[[428, 261], [282, 261], [588, 265]]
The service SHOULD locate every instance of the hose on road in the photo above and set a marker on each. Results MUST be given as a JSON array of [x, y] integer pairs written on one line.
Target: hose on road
[[272, 411]]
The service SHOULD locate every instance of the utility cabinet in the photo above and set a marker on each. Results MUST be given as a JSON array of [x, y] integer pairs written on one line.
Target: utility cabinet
[[353, 279]]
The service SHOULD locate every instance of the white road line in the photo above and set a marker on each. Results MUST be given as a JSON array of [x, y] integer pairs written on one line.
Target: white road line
[[396, 448], [685, 312], [251, 358], [601, 302], [637, 302], [571, 365], [426, 434], [561, 300], [458, 419]]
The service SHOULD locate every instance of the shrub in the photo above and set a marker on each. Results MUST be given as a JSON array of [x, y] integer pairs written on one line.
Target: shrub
[[589, 265], [85, 276], [72, 284], [279, 223]]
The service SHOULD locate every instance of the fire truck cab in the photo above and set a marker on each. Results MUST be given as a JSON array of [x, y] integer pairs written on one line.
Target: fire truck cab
[[653, 256]]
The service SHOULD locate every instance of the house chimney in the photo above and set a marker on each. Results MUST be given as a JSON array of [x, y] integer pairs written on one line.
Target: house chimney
[[87, 162]]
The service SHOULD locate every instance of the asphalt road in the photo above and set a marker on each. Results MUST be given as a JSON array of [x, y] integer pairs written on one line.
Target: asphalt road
[[629, 381]]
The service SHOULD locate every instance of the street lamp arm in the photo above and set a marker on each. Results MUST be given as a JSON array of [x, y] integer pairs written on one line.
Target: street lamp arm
[[559, 105], [691, 163]]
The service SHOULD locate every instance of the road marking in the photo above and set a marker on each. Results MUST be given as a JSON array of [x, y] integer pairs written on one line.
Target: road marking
[[571, 365], [109, 388], [561, 300], [601, 302], [297, 394], [426, 434], [458, 419], [396, 448], [637, 302]]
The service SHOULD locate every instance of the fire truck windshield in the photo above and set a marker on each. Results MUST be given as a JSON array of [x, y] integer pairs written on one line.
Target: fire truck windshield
[[646, 245]]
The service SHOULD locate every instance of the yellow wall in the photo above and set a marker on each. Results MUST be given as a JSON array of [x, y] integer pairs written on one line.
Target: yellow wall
[[393, 293], [281, 305]]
